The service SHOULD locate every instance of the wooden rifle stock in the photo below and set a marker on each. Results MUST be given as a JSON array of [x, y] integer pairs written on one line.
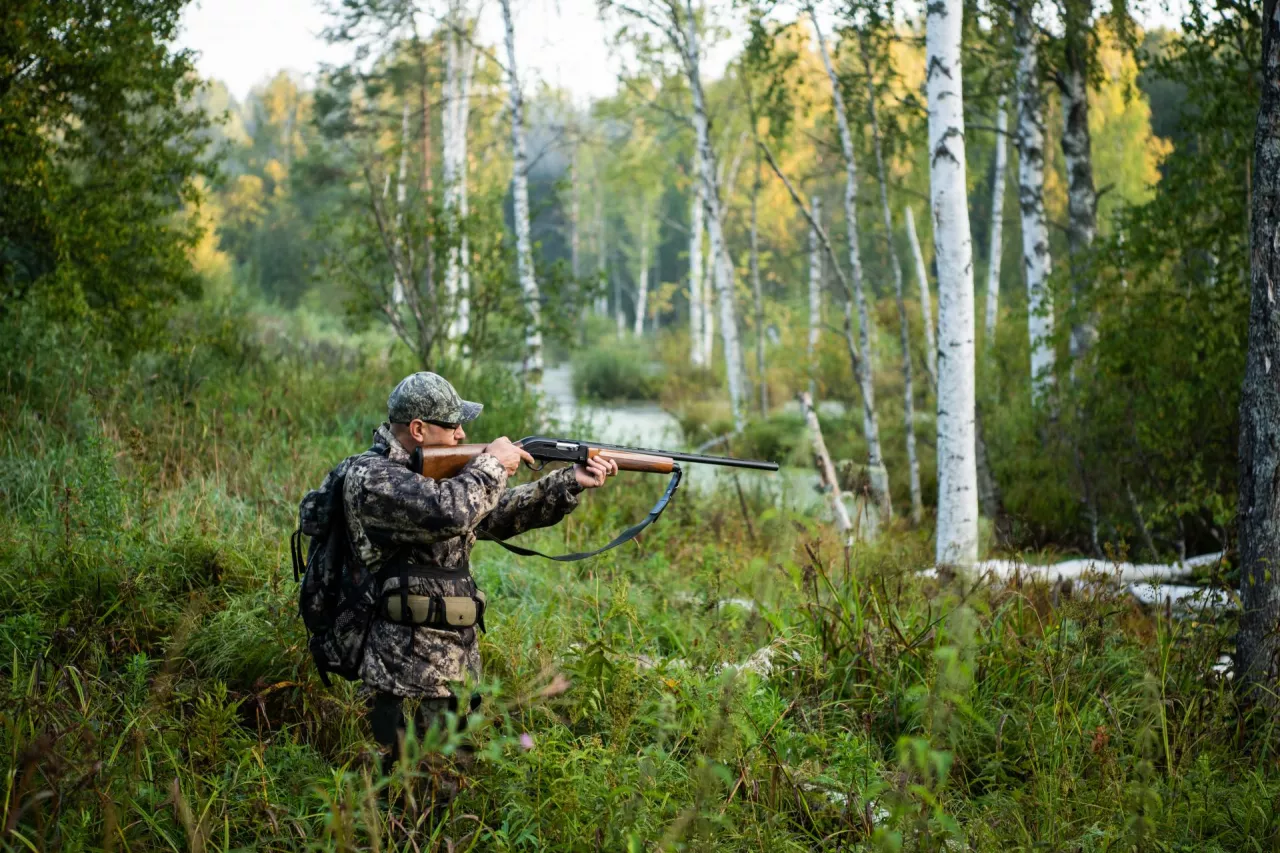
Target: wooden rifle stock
[[440, 463]]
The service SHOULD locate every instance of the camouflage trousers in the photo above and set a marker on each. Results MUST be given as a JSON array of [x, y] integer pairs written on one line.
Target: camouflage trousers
[[389, 725]]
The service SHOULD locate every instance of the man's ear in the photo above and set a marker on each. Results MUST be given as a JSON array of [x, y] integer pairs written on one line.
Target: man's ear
[[418, 429]]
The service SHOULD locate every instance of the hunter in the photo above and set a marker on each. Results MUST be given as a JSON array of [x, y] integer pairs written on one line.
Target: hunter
[[417, 533]]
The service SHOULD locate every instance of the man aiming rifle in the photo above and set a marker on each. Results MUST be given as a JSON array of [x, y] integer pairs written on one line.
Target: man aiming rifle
[[387, 592]]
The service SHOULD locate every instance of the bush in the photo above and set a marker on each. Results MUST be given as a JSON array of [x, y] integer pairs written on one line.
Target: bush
[[622, 372]]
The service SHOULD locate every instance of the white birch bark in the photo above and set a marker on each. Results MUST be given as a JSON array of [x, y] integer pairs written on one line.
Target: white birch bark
[[876, 471], [697, 355], [827, 471], [619, 316], [455, 119], [815, 298], [1082, 198], [723, 273], [520, 190], [1036, 261], [642, 297], [995, 248], [757, 290], [957, 530], [602, 255], [402, 178], [908, 391], [575, 217], [926, 306]]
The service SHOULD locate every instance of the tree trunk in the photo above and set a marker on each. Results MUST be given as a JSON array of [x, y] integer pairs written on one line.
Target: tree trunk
[[723, 273], [926, 308], [402, 181], [1077, 151], [908, 392], [1036, 262], [815, 298], [957, 533], [757, 291], [575, 217], [989, 499], [520, 190], [1258, 643], [827, 471], [642, 285], [459, 70], [619, 316], [709, 272], [697, 355], [876, 471], [995, 248], [602, 255]]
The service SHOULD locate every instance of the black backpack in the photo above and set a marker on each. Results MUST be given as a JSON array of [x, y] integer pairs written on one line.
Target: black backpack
[[337, 596]]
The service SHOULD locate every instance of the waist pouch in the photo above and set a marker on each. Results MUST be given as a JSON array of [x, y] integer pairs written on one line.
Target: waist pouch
[[435, 611], [432, 611]]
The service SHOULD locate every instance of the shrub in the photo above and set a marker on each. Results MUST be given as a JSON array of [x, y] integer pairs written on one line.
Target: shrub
[[622, 372]]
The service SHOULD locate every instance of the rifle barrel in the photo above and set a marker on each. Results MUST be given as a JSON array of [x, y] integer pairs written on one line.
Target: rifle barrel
[[697, 458]]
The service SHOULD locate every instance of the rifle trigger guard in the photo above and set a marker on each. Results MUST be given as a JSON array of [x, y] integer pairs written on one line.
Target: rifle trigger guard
[[539, 467]]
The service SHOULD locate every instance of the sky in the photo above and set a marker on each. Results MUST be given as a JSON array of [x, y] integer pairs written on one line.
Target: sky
[[559, 42], [244, 42]]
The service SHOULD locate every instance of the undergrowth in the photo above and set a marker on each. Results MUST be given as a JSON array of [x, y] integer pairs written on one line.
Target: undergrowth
[[732, 681]]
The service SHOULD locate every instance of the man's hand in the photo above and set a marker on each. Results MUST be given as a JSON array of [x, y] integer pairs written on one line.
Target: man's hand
[[593, 474], [508, 453]]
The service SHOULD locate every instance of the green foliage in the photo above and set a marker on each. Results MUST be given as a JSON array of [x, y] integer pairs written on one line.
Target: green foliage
[[616, 371], [729, 682], [97, 159], [1158, 416]]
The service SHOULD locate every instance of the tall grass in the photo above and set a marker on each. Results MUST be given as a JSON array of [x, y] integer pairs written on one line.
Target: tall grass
[[158, 696]]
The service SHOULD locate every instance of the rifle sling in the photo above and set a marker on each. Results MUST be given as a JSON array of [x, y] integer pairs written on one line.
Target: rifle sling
[[621, 539]]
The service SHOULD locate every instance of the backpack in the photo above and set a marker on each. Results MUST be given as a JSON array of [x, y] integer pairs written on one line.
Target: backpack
[[337, 596]]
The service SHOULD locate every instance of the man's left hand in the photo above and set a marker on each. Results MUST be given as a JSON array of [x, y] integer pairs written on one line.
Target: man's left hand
[[593, 474]]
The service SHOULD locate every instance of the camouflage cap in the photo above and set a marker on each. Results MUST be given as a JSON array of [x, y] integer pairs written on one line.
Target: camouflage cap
[[429, 397]]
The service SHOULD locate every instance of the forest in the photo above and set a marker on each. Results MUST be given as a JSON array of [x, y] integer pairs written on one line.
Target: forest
[[991, 280]]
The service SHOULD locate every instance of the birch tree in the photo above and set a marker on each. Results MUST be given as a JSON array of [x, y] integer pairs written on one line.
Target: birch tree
[[1077, 151], [926, 309], [684, 37], [815, 297], [995, 248], [757, 290], [1258, 645], [1036, 261], [459, 73], [876, 471], [532, 361], [908, 392], [957, 530], [697, 206], [642, 275], [402, 190], [602, 252]]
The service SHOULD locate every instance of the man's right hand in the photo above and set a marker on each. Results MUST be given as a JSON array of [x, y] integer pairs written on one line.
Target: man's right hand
[[508, 453]]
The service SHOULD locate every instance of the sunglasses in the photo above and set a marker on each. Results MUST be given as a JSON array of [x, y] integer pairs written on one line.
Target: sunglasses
[[441, 424]]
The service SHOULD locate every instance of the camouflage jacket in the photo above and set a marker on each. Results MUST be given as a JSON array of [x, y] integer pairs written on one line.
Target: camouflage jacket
[[392, 511]]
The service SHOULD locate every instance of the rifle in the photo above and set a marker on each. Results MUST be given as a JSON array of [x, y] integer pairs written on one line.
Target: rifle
[[441, 463]]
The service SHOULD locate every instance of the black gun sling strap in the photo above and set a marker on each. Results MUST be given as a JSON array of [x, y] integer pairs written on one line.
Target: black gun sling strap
[[621, 539]]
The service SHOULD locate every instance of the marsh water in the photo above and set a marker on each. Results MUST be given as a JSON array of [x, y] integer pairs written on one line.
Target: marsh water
[[644, 424]]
